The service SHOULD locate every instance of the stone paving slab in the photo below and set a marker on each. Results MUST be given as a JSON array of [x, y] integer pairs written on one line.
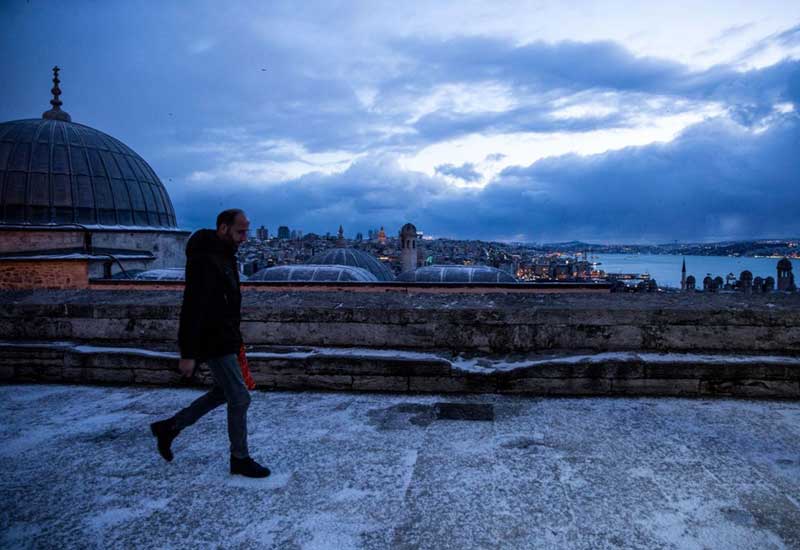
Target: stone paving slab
[[386, 471]]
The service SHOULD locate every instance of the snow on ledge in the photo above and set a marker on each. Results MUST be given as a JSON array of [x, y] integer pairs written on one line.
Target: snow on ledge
[[472, 365]]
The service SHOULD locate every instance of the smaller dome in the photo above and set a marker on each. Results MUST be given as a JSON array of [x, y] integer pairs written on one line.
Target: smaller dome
[[785, 264], [314, 273], [456, 274], [354, 258], [746, 275], [690, 279], [165, 274]]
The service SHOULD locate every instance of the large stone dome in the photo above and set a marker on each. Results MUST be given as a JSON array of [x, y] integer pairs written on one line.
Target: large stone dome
[[356, 258], [54, 171], [314, 273], [456, 274]]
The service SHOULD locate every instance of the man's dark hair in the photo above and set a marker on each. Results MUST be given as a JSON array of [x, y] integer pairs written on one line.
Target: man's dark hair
[[227, 217]]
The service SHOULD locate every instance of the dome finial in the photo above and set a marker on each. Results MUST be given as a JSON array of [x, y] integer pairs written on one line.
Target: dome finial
[[56, 113]]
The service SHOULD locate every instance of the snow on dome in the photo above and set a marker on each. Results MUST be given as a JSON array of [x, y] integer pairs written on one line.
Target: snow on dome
[[456, 274], [165, 274], [354, 258], [314, 273]]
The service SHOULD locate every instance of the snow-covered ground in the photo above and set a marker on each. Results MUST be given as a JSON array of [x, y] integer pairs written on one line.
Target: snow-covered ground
[[380, 471]]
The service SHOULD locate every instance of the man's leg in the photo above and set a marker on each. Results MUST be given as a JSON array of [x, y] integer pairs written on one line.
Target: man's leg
[[228, 377], [167, 430], [199, 407]]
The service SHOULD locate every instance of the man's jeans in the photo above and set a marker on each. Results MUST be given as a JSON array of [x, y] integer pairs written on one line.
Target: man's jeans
[[228, 387]]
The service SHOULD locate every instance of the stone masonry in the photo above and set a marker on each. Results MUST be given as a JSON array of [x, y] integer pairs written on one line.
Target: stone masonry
[[666, 344]]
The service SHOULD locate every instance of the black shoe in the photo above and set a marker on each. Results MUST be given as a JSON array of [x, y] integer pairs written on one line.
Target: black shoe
[[165, 432], [248, 467]]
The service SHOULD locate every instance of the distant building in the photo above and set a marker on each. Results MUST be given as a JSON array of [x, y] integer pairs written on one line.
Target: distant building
[[248, 268], [381, 236], [283, 232], [785, 276], [262, 233], [746, 281]]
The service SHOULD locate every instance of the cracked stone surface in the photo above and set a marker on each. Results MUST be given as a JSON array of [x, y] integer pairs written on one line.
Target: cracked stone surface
[[384, 471]]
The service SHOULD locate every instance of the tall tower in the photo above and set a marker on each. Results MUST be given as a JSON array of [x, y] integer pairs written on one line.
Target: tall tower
[[683, 275], [408, 245], [382, 236]]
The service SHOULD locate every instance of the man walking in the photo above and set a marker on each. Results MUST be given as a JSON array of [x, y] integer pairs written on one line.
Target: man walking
[[209, 332]]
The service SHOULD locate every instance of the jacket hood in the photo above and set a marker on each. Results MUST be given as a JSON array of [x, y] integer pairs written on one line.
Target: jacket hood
[[206, 241]]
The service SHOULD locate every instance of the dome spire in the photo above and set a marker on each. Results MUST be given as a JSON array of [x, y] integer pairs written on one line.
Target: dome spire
[[56, 113]]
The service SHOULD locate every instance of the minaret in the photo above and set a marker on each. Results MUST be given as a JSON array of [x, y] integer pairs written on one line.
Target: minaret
[[56, 113], [683, 275], [340, 242], [408, 247]]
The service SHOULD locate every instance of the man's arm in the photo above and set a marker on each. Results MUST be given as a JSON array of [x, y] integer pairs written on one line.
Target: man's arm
[[195, 311]]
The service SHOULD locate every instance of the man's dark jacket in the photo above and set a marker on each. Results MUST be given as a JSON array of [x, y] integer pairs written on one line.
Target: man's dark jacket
[[211, 311]]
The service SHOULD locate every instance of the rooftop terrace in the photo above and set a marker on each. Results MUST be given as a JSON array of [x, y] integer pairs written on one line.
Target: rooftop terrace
[[393, 471]]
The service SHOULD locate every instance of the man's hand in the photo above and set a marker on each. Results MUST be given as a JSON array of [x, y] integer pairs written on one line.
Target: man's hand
[[186, 366]]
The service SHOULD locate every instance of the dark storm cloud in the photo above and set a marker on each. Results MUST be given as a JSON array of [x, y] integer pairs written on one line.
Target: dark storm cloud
[[200, 69], [571, 68], [445, 125], [193, 90], [715, 181], [564, 65], [464, 172]]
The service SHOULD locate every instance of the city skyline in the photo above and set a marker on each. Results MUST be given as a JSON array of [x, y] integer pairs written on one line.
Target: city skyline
[[513, 122]]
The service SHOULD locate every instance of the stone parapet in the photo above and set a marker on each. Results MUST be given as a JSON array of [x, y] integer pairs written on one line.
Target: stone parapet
[[670, 344], [493, 323]]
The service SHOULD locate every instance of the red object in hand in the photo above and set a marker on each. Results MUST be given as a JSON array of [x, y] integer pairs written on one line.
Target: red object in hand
[[248, 378]]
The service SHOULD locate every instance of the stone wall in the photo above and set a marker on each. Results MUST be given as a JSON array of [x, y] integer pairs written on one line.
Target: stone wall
[[25, 274], [29, 240], [168, 247], [670, 344]]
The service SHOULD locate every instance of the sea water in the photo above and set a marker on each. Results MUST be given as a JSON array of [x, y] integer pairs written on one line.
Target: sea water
[[666, 269]]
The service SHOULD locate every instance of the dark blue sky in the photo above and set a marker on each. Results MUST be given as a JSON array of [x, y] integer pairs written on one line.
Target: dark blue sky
[[502, 120]]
